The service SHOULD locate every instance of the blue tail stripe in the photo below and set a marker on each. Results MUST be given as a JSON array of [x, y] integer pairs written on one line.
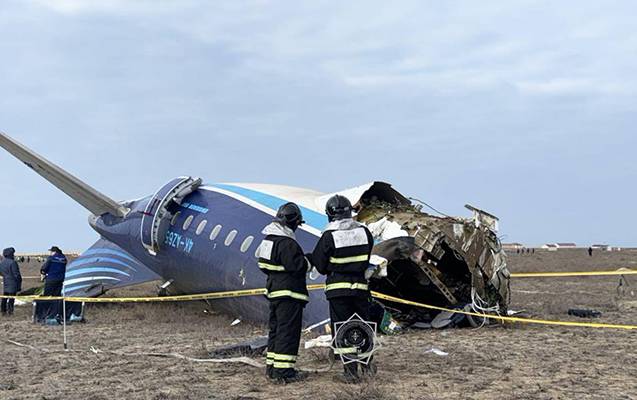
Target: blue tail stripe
[[77, 287], [88, 270], [80, 261], [314, 219], [109, 251]]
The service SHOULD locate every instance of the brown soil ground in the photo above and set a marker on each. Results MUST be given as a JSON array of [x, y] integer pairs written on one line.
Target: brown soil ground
[[498, 362]]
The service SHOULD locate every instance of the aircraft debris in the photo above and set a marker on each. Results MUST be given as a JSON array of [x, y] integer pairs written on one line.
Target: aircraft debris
[[321, 341], [251, 348], [437, 352], [584, 313], [443, 261]]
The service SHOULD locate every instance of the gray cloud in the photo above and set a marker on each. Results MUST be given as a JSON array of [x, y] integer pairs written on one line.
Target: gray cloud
[[525, 108]]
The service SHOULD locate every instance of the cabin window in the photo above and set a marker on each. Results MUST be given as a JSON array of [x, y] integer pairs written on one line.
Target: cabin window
[[246, 244], [230, 237], [174, 220], [188, 222], [215, 232], [201, 227]]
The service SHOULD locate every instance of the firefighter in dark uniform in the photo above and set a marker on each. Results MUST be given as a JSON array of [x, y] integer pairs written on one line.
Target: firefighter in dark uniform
[[343, 254], [282, 260]]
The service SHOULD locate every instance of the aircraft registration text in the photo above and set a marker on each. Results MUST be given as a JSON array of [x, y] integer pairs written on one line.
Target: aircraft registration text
[[179, 242]]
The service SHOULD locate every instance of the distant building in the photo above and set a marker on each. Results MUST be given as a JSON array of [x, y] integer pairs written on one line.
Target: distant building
[[602, 247], [566, 245], [512, 246], [555, 246]]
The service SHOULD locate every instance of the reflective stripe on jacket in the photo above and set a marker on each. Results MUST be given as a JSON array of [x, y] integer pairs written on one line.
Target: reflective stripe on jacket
[[343, 254], [281, 258]]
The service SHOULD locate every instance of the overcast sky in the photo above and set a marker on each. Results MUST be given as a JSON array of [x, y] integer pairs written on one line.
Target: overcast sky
[[526, 109]]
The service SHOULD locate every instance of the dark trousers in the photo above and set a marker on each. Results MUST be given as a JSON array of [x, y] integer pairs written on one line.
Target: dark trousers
[[53, 288], [286, 319], [6, 306], [341, 309], [46, 309]]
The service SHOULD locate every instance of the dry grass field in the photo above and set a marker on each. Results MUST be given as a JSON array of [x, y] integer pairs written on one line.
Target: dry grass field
[[500, 362]]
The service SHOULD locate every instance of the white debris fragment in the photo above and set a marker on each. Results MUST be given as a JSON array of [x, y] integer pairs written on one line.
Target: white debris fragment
[[316, 325], [20, 303], [235, 322], [378, 267], [321, 341], [385, 229], [437, 352]]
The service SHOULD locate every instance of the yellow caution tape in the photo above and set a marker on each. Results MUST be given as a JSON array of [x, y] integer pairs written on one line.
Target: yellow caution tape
[[622, 271], [256, 292], [186, 297], [503, 318], [189, 297]]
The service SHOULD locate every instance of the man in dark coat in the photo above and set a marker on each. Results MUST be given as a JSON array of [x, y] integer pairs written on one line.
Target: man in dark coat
[[54, 269], [12, 280]]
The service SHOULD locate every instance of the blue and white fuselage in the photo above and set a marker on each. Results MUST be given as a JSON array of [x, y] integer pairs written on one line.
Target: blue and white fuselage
[[196, 238], [209, 246]]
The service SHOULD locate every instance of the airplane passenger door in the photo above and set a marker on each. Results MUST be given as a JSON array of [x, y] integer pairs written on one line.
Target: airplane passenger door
[[156, 217]]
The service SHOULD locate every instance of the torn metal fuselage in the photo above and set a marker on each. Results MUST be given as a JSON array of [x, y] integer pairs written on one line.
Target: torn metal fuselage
[[441, 261]]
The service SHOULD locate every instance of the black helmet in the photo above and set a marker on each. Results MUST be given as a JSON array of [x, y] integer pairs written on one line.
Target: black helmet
[[338, 207], [289, 214]]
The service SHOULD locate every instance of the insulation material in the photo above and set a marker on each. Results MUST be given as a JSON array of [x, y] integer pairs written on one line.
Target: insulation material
[[385, 229]]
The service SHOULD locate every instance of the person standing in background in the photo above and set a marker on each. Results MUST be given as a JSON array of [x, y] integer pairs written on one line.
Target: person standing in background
[[53, 270], [12, 280]]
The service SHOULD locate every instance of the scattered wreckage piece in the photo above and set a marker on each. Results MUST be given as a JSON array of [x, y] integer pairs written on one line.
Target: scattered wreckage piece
[[250, 348], [584, 313], [444, 261]]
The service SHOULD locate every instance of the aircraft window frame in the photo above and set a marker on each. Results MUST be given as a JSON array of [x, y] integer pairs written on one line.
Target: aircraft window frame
[[188, 222], [201, 227], [230, 238], [173, 221], [247, 242], [215, 231]]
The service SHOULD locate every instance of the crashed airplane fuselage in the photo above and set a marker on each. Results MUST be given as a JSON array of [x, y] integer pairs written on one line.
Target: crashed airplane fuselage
[[442, 261], [200, 238]]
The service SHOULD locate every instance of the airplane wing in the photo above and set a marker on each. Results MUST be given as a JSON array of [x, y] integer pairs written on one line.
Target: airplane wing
[[102, 267]]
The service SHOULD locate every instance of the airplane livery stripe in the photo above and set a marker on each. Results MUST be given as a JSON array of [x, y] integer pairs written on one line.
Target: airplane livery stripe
[[109, 251], [80, 262], [90, 278], [312, 218], [82, 271], [71, 289]]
